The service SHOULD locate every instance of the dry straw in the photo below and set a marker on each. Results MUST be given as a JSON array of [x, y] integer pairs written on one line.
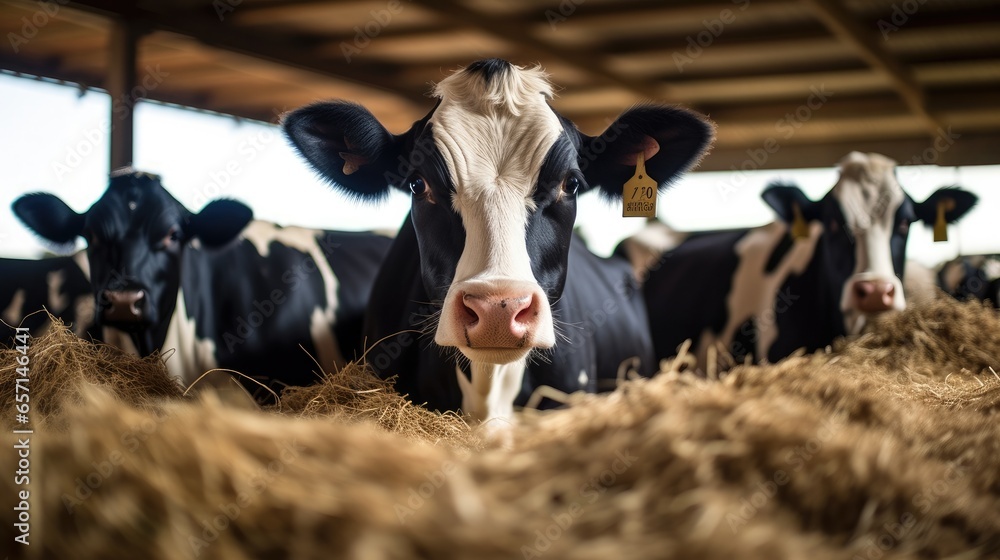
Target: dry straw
[[885, 448]]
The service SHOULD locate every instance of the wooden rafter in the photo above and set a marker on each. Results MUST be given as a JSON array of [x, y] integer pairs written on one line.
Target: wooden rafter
[[845, 27], [498, 26], [273, 48], [939, 67]]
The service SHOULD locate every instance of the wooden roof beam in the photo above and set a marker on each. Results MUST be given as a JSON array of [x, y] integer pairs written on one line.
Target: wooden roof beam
[[505, 29], [277, 49], [846, 28]]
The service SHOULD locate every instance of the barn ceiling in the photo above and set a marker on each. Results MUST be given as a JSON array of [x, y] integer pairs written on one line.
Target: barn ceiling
[[790, 83]]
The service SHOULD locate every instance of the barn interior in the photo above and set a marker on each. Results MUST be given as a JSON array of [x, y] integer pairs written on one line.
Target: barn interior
[[875, 76], [878, 447]]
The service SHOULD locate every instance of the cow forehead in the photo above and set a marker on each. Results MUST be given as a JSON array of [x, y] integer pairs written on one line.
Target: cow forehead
[[868, 191], [131, 201], [494, 131]]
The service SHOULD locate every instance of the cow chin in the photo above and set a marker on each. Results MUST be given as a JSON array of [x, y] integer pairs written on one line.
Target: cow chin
[[499, 356]]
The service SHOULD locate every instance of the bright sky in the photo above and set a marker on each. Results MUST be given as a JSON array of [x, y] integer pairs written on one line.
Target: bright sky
[[55, 140]]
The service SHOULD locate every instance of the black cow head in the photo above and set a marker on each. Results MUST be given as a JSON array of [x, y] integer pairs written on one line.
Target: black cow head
[[865, 222], [136, 233], [494, 173]]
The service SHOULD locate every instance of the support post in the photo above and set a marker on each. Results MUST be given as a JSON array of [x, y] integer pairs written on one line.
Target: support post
[[120, 84]]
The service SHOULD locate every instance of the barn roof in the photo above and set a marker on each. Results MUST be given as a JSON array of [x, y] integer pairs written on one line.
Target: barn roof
[[791, 83]]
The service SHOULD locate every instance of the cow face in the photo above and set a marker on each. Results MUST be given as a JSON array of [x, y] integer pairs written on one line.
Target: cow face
[[136, 234], [866, 220], [494, 174]]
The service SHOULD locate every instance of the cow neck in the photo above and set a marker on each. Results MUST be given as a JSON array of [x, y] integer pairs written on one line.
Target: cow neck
[[190, 355], [489, 396], [152, 339], [816, 312]]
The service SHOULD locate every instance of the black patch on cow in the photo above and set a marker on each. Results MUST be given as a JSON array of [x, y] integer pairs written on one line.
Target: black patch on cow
[[904, 216], [31, 278], [685, 290], [549, 227], [778, 254], [489, 68], [443, 234], [744, 341]]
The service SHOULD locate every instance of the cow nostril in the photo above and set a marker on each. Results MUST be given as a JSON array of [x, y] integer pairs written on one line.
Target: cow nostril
[[890, 289], [528, 313], [136, 304], [525, 315], [470, 314]]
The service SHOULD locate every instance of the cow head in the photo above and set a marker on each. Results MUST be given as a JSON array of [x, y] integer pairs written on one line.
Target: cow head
[[494, 173], [866, 220], [136, 234]]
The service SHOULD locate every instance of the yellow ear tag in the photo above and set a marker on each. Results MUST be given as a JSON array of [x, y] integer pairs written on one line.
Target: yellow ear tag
[[800, 229], [639, 192], [940, 225]]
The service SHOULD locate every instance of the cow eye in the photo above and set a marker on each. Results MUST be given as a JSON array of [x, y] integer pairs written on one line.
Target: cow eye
[[171, 238], [904, 227], [572, 185], [418, 186]]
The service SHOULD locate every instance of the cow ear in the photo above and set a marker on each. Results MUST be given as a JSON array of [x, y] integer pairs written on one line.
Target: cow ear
[[346, 144], [49, 217], [219, 222], [671, 139], [957, 203], [783, 199]]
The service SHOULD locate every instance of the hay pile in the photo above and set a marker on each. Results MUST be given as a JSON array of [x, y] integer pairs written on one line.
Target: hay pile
[[887, 448]]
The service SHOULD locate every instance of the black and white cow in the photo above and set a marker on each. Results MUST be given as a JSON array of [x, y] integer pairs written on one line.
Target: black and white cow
[[486, 261], [971, 276], [759, 292], [56, 284], [216, 287]]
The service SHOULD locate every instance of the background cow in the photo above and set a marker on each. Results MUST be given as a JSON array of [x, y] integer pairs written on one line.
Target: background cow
[[486, 262], [57, 284], [219, 289], [759, 292], [971, 276]]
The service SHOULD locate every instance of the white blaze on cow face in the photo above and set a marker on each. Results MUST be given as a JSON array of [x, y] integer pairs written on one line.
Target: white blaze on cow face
[[494, 135], [869, 197]]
